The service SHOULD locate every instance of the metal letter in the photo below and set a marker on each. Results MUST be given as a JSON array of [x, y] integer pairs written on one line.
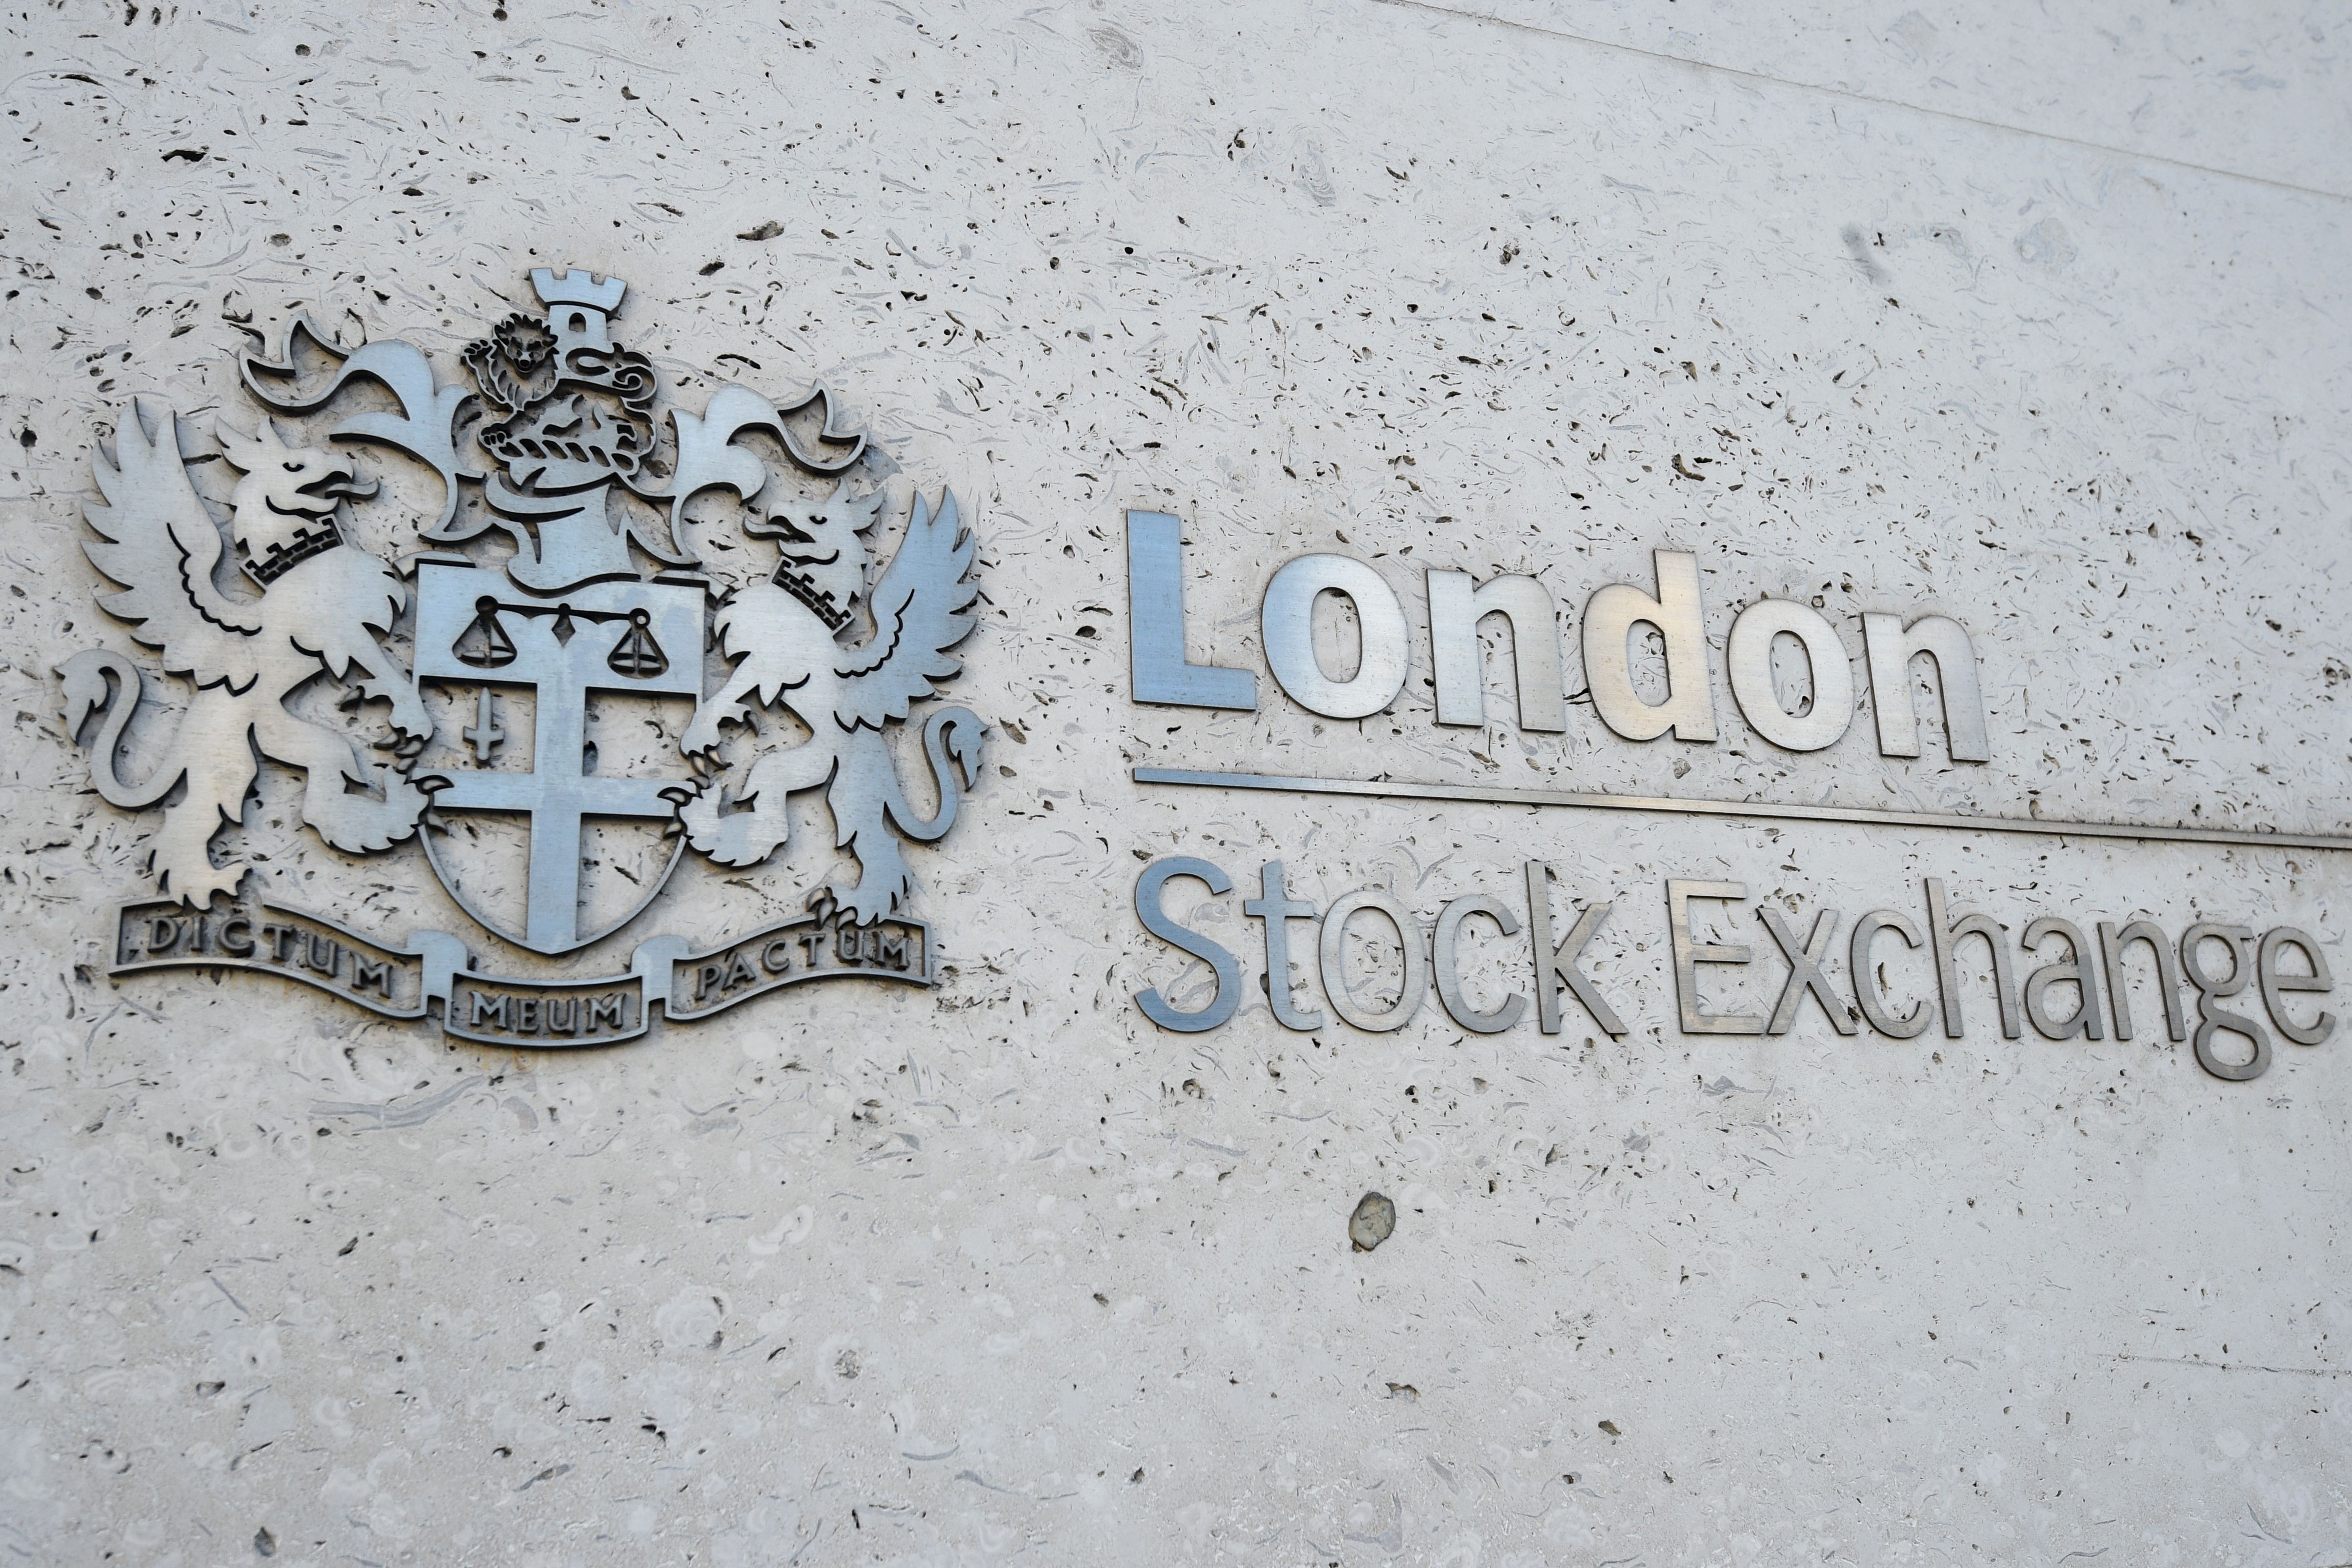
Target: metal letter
[[1865, 983], [1455, 609], [1155, 921], [2113, 942], [1276, 908], [1689, 955], [2075, 971], [2274, 981], [1333, 953], [1892, 646], [1751, 657], [1155, 597], [1286, 627], [2210, 1019], [1555, 965], [1610, 617], [1805, 972], [1947, 935], [1449, 975]]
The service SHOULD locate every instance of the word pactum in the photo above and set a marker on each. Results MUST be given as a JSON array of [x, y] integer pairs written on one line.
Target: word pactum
[[2061, 998], [1458, 604]]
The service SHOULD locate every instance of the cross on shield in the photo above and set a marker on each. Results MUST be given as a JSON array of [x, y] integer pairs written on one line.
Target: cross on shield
[[631, 636]]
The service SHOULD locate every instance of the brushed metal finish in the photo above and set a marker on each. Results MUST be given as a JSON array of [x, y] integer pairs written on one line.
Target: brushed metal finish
[[425, 426], [1766, 811], [1445, 964], [1221, 964], [563, 653], [569, 437], [1557, 968], [1891, 646], [1158, 668], [1610, 617], [1749, 658], [2096, 355], [1287, 622], [1278, 909], [2114, 943], [323, 605], [1690, 953], [1861, 962], [779, 642], [1458, 604], [2077, 969], [1805, 972], [2211, 988], [2277, 982], [1945, 934], [1411, 988]]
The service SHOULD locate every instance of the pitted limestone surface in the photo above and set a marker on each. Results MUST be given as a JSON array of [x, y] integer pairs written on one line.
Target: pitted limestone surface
[[2039, 325]]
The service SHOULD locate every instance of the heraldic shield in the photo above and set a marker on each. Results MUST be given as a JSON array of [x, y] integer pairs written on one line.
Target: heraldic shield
[[585, 704], [549, 659]]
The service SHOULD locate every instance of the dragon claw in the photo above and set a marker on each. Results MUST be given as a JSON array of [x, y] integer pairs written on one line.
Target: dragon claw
[[854, 906], [198, 889]]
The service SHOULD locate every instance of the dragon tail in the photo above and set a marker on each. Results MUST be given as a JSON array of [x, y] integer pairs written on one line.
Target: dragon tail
[[103, 683], [951, 735]]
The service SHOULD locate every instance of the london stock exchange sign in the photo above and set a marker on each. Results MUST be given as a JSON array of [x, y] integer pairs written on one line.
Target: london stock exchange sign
[[574, 469]]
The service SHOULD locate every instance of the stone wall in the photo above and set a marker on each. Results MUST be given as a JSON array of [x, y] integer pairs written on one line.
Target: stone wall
[[2038, 323]]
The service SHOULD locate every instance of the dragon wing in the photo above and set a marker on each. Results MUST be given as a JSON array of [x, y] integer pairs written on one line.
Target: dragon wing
[[161, 545], [917, 615]]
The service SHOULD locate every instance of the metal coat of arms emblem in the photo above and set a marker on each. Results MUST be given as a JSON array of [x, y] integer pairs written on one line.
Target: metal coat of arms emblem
[[552, 603]]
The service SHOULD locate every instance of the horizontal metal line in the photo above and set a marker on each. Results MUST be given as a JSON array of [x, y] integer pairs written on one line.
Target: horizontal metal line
[[2239, 1367], [1405, 789]]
